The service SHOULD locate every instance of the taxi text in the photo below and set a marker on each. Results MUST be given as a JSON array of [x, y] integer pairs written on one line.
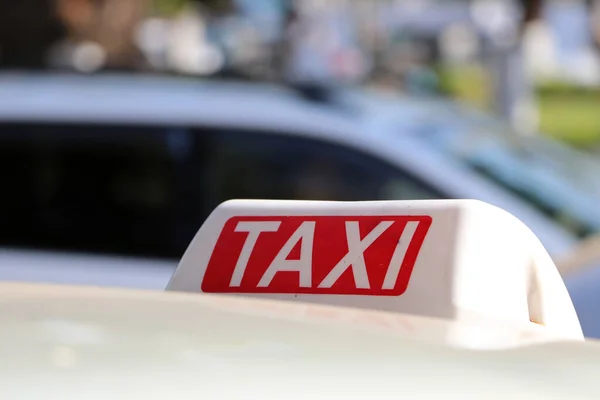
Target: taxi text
[[343, 255]]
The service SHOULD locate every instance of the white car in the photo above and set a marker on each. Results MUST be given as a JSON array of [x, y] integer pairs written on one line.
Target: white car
[[486, 316], [556, 179], [108, 176]]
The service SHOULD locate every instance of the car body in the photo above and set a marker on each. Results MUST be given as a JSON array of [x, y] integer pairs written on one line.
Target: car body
[[465, 325], [76, 342], [583, 286], [581, 273], [128, 167]]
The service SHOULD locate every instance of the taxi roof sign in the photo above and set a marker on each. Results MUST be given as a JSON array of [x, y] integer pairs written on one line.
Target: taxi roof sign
[[461, 260]]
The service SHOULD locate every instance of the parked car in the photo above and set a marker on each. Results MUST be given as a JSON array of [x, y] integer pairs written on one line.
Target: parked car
[[559, 181], [126, 168]]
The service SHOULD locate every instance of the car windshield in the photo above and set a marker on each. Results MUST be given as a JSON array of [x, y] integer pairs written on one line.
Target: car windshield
[[554, 178]]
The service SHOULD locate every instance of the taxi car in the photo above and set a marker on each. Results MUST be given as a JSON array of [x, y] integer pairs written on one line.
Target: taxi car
[[315, 300], [111, 174]]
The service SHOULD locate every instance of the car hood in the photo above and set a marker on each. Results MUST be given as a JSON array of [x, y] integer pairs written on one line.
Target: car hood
[[91, 343]]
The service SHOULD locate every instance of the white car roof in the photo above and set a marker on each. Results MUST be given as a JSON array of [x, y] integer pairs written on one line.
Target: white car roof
[[166, 100], [485, 315], [80, 342]]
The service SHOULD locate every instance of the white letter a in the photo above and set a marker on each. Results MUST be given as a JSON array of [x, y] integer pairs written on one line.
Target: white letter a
[[306, 233]]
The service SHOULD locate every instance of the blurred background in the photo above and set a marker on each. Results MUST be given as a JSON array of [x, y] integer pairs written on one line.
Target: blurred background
[[123, 123]]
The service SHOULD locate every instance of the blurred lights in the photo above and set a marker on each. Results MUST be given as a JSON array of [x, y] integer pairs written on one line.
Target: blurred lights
[[497, 18], [525, 116], [151, 35], [188, 48], [88, 57], [539, 51], [459, 42], [584, 68]]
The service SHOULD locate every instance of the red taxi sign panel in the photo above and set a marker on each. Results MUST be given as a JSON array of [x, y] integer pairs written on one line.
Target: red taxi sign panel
[[343, 255]]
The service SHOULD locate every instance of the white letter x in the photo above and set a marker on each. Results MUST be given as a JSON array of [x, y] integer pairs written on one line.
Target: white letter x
[[355, 256]]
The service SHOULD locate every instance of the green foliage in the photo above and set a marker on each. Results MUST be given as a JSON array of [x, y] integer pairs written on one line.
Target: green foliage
[[168, 8], [567, 112], [467, 83], [570, 114]]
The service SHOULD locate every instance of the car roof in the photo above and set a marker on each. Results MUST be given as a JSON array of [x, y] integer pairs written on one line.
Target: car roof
[[75, 341], [173, 100], [132, 98]]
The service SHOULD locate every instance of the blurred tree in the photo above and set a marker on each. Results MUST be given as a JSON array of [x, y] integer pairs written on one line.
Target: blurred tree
[[172, 7], [168, 8]]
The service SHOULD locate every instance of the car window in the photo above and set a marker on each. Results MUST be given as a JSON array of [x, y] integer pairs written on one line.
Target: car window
[[145, 191], [90, 188], [276, 166], [558, 181]]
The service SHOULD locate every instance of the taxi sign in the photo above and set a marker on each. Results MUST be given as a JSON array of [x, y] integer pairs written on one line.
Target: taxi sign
[[461, 260], [344, 255]]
